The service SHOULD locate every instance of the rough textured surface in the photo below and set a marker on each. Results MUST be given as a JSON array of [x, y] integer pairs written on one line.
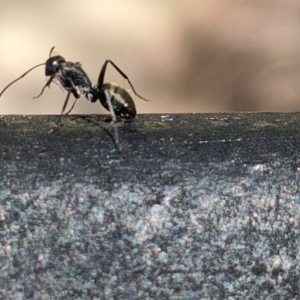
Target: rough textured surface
[[197, 207]]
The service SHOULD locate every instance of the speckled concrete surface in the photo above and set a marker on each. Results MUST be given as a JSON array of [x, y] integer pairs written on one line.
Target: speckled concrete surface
[[197, 207]]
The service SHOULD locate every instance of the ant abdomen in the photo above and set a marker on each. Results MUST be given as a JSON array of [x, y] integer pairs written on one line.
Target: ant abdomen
[[121, 101]]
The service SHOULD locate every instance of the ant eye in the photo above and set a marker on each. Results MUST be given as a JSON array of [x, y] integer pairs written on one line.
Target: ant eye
[[55, 63]]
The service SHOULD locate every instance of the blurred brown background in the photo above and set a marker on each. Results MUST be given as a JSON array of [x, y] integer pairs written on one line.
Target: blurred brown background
[[186, 56]]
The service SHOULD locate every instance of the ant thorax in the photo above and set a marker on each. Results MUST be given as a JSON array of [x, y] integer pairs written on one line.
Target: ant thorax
[[73, 78]]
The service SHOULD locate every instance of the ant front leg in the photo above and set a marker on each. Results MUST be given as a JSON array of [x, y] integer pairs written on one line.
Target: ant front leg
[[64, 108], [76, 94], [46, 85], [62, 113]]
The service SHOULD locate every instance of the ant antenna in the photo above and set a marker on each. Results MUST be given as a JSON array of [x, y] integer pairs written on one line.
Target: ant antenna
[[20, 77], [51, 50]]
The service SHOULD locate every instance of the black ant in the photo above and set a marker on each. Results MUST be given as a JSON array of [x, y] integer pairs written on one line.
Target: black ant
[[70, 75], [75, 81]]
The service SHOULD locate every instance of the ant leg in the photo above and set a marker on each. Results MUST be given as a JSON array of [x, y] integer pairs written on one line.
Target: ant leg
[[72, 107], [76, 94], [62, 112], [113, 115], [102, 73], [46, 85], [64, 108], [58, 85]]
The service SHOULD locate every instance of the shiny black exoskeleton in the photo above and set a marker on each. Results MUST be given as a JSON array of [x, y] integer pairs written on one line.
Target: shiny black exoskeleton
[[71, 77], [75, 81], [120, 99]]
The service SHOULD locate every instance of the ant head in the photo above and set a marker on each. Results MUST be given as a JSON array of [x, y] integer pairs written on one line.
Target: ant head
[[53, 65]]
